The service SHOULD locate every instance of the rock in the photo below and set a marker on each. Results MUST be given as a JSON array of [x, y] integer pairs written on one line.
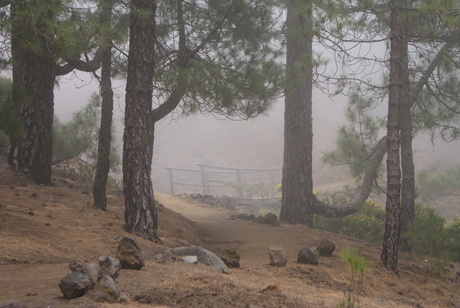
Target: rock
[[78, 265], [315, 251], [325, 248], [93, 270], [245, 216], [76, 284], [108, 266], [231, 258], [277, 256], [269, 219], [163, 257], [106, 290], [204, 256], [13, 304], [129, 254], [307, 257], [188, 259]]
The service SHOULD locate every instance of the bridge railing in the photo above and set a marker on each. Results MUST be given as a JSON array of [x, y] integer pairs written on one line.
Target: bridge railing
[[211, 179]]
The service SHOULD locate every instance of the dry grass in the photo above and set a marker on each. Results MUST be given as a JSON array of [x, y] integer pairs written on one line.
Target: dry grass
[[43, 228]]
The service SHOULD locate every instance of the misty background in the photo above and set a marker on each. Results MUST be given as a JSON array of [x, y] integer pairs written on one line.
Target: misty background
[[255, 143]]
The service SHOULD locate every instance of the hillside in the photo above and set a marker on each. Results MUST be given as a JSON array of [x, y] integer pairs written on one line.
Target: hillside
[[43, 228]]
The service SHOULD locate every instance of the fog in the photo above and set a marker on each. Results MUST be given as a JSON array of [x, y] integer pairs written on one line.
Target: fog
[[255, 143]]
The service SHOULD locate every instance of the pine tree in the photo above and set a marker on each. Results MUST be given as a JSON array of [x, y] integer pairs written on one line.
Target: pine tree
[[213, 57]]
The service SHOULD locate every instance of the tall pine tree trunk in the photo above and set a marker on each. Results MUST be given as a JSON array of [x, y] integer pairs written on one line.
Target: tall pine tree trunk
[[33, 82], [140, 212], [407, 164], [297, 182], [398, 91], [105, 131]]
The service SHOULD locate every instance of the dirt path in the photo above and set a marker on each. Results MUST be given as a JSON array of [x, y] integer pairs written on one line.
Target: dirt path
[[251, 240]]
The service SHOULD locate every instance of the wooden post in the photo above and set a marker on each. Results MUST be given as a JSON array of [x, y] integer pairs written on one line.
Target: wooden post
[[171, 181], [204, 187], [240, 184], [272, 181]]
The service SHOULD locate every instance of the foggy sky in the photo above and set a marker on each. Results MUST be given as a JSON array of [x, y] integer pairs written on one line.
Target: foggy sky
[[256, 143]]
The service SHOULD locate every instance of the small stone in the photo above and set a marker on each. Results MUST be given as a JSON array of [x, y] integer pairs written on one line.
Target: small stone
[[106, 290], [325, 248], [305, 256], [76, 284], [315, 251], [163, 257], [93, 269], [245, 216], [277, 256], [269, 219], [231, 258], [129, 254], [13, 304], [108, 266], [78, 265]]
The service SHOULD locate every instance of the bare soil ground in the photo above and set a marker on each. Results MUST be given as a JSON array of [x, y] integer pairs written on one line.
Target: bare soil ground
[[43, 228]]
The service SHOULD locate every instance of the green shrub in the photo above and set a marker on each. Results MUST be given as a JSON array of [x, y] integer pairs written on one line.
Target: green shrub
[[453, 231], [435, 239], [367, 223]]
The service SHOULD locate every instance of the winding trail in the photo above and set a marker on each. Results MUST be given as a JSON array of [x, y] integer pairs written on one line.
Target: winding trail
[[251, 240]]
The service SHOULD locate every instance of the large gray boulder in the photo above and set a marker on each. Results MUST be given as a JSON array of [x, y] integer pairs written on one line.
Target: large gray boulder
[[204, 256]]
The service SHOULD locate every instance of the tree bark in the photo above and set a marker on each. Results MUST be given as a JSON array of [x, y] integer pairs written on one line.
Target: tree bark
[[407, 160], [397, 92], [297, 181], [105, 131], [362, 192], [140, 212], [33, 82]]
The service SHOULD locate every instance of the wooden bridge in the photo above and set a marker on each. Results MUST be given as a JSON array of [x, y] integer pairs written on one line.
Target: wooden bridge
[[242, 183]]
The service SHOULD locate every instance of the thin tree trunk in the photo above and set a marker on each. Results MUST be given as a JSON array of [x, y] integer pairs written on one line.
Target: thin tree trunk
[[140, 212], [407, 159], [105, 131], [297, 182], [33, 86], [397, 92]]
